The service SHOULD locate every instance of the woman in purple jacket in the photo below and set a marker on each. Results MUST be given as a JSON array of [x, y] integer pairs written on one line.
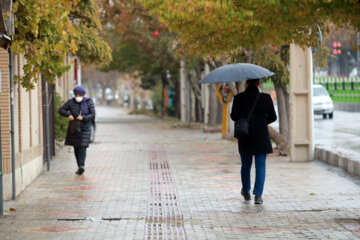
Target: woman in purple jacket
[[79, 109]]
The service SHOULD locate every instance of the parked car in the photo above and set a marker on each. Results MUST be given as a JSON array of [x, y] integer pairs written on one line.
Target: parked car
[[322, 102]]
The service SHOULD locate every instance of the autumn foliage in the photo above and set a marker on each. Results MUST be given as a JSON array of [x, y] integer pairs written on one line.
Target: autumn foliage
[[47, 31], [213, 27]]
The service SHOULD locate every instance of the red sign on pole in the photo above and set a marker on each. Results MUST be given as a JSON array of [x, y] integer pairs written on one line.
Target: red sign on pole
[[156, 33]]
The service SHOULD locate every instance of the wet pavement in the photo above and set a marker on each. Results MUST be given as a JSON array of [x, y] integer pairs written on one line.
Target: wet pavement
[[147, 180], [340, 134]]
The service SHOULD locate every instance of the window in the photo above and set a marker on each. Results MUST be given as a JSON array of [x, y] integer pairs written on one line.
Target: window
[[319, 92]]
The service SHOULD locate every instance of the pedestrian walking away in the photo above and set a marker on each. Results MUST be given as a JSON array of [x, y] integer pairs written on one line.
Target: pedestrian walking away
[[256, 143], [81, 113]]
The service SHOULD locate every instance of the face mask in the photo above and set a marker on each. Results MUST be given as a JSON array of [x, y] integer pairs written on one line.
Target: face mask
[[78, 99]]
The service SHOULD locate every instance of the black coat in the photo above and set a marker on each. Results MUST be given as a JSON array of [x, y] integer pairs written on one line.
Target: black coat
[[71, 107], [258, 139]]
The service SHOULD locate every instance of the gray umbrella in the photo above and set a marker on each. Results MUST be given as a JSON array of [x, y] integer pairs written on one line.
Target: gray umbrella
[[236, 72]]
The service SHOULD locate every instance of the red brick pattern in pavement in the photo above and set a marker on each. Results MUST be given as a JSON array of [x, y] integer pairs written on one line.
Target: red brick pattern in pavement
[[111, 201]]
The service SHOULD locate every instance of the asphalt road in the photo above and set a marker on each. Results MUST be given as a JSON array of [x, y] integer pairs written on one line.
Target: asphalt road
[[341, 134]]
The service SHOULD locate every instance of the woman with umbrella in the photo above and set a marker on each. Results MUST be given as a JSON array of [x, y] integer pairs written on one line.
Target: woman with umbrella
[[257, 142], [81, 112], [257, 111]]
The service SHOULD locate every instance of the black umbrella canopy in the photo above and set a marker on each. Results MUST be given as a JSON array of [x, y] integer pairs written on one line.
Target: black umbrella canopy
[[236, 72]]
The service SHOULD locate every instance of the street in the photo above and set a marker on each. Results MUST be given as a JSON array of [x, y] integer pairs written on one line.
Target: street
[[145, 179], [340, 134]]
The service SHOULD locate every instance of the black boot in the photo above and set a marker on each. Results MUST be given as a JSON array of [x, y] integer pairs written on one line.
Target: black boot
[[246, 195], [258, 200], [80, 171]]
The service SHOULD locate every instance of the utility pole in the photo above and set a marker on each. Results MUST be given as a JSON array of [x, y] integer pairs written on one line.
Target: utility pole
[[183, 89], [12, 127], [47, 119]]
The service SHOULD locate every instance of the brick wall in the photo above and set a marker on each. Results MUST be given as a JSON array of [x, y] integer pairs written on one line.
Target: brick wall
[[5, 111], [28, 120]]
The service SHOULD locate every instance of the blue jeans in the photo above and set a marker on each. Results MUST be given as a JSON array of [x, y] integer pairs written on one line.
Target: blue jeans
[[80, 155], [246, 162]]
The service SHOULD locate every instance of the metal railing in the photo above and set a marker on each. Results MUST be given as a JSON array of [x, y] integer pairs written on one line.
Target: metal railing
[[341, 89]]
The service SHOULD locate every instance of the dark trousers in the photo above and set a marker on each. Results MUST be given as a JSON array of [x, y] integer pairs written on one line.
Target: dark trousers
[[260, 164], [80, 155]]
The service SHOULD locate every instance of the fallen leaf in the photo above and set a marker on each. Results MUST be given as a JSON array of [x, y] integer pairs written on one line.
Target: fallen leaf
[[312, 194], [80, 196], [12, 209]]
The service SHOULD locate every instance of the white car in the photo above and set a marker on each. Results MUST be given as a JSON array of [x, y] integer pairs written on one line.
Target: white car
[[322, 102]]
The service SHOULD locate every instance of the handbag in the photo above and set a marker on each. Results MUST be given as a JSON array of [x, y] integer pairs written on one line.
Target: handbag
[[74, 126], [241, 128]]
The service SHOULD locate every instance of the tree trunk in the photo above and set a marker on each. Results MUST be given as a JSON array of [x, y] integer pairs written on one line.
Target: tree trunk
[[177, 97], [287, 104], [233, 88], [199, 111], [165, 85], [193, 79], [282, 109], [281, 142], [240, 86], [213, 105]]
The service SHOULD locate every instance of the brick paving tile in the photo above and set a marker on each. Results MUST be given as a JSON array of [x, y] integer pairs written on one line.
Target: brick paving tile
[[147, 180]]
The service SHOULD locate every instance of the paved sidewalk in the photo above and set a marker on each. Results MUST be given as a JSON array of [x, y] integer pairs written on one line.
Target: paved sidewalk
[[146, 180]]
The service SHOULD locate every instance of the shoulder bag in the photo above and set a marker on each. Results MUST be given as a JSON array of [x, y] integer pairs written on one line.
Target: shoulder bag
[[241, 129]]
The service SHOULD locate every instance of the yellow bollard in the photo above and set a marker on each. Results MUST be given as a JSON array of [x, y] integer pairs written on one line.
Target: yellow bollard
[[224, 94]]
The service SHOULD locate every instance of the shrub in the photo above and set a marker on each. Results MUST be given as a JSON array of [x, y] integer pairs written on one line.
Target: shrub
[[61, 122]]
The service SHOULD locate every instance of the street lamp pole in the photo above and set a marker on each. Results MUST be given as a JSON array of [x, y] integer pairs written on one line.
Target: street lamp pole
[[47, 123], [358, 52]]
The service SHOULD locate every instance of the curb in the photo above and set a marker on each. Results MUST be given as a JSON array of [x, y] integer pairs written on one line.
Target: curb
[[348, 107], [336, 159]]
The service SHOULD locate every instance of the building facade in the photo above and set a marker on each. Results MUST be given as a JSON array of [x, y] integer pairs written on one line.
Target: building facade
[[29, 124]]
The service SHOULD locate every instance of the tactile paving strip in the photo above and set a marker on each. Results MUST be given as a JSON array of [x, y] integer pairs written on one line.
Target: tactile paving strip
[[164, 217]]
